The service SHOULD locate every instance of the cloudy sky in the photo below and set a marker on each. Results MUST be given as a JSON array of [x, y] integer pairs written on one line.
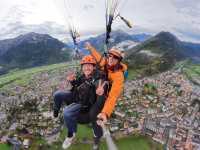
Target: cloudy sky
[[179, 16]]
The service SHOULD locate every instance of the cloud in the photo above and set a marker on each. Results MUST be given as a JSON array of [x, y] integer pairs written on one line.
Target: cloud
[[189, 7], [88, 7], [188, 10], [155, 15]]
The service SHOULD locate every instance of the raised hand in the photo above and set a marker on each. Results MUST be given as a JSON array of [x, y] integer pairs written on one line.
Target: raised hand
[[100, 88], [88, 46], [71, 76]]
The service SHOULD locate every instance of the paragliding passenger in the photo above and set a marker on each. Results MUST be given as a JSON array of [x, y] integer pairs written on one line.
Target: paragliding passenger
[[115, 71], [84, 101]]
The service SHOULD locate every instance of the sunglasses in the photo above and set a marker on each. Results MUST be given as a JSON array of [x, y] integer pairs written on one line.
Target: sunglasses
[[113, 56]]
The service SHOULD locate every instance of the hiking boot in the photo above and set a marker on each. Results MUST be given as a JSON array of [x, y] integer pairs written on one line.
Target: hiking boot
[[68, 141], [55, 113], [96, 143]]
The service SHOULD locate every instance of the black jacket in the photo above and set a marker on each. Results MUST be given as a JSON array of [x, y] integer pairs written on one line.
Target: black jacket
[[84, 90]]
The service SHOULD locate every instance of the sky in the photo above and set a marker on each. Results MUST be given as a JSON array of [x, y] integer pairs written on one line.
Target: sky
[[179, 16]]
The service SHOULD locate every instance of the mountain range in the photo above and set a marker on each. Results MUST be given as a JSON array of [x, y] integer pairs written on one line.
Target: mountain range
[[119, 38], [31, 50], [150, 53], [161, 52]]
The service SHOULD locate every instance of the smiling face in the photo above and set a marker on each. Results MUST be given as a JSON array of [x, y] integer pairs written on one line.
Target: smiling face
[[112, 60], [88, 69]]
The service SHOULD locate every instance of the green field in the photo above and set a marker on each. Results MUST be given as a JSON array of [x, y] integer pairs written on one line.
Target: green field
[[133, 74], [84, 132], [192, 71], [4, 147], [22, 77], [133, 142], [129, 143]]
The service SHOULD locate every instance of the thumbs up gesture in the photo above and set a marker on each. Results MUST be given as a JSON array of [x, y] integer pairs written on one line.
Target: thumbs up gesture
[[100, 89]]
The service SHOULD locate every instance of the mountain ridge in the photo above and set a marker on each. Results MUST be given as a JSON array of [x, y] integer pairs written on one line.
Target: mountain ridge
[[32, 49]]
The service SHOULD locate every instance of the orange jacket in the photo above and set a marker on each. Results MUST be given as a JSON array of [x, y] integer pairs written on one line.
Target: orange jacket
[[117, 80]]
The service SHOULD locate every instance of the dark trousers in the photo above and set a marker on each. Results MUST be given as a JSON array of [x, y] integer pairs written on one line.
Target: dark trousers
[[74, 115], [61, 96]]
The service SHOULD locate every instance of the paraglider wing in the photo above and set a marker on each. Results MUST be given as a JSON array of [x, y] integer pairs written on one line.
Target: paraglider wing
[[64, 7], [112, 12], [126, 21]]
